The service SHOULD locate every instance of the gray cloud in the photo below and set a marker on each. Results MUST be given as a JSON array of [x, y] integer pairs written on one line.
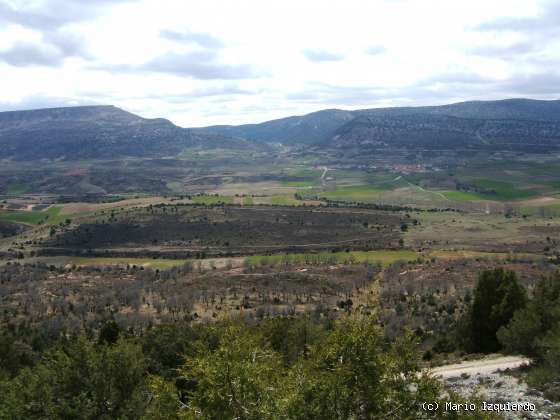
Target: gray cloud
[[321, 55], [227, 90], [199, 38], [455, 77], [545, 22], [322, 93], [23, 54], [448, 87], [224, 91], [509, 51], [438, 86], [52, 14], [199, 65], [69, 43], [55, 47], [38, 18], [43, 101], [544, 83], [50, 18], [375, 50]]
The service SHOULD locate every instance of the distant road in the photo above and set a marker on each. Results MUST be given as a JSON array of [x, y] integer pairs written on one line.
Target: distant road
[[325, 170], [483, 366]]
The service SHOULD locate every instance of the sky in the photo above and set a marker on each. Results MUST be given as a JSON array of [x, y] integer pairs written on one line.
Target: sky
[[210, 62]]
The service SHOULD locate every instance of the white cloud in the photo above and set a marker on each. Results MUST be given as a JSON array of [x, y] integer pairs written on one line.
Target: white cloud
[[220, 61], [322, 55]]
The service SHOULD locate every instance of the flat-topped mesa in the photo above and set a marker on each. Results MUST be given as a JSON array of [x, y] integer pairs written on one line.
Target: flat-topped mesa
[[95, 132]]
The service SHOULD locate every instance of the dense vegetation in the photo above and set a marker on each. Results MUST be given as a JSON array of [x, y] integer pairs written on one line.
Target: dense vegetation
[[289, 368], [273, 365], [534, 330], [501, 317]]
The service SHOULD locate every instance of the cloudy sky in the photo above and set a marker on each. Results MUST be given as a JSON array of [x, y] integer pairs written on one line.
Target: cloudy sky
[[231, 62]]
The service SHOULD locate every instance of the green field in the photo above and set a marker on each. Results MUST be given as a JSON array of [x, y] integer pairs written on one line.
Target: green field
[[542, 210], [160, 264], [386, 181], [462, 196], [384, 257], [248, 201], [31, 217], [501, 191], [481, 254], [299, 184], [284, 200], [17, 189], [309, 174], [358, 193], [212, 199], [504, 191]]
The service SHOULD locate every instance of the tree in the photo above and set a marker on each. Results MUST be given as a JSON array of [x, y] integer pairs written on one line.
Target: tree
[[497, 296], [240, 379], [538, 318], [109, 332], [82, 380], [351, 373], [166, 347], [354, 373]]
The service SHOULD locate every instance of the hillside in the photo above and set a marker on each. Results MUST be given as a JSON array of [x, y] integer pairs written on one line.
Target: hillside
[[96, 132], [103, 132], [512, 124], [433, 131], [296, 130]]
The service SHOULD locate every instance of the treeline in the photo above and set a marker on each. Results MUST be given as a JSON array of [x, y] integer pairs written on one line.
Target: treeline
[[283, 368], [373, 206], [325, 258]]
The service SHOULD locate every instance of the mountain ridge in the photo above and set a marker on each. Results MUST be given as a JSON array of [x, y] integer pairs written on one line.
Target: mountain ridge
[[479, 124], [97, 132], [106, 131]]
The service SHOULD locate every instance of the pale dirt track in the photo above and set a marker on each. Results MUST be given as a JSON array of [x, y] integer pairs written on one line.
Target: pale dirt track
[[483, 366]]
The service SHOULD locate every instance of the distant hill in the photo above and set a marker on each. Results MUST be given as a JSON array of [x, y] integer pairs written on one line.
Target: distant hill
[[107, 132], [306, 129], [97, 132], [512, 124]]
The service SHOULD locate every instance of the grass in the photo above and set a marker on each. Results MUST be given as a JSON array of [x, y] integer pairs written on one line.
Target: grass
[[384, 257], [212, 199], [462, 196], [477, 232], [284, 200], [480, 254], [305, 173], [159, 264], [359, 193], [503, 190], [248, 201], [386, 181], [541, 210], [299, 184], [31, 217], [17, 189]]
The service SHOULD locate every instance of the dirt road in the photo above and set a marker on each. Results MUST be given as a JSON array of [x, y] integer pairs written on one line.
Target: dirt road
[[484, 366]]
